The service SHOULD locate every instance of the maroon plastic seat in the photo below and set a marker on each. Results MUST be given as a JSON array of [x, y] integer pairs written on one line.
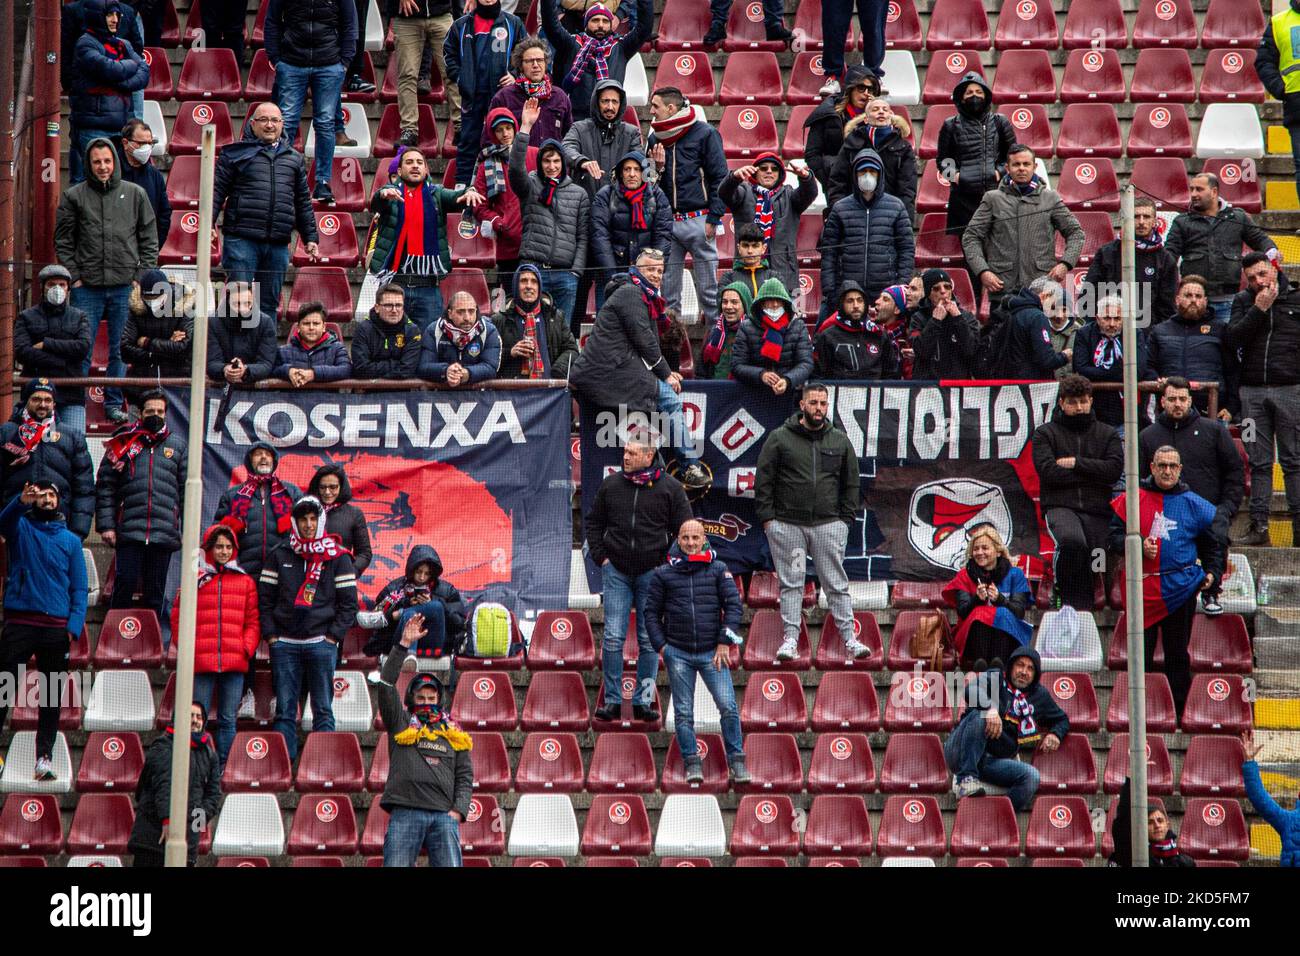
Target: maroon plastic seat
[[557, 700], [765, 589], [936, 248], [1117, 651], [1161, 718], [183, 182], [258, 761], [30, 823], [747, 131], [1214, 828], [1074, 693], [483, 831], [692, 73], [946, 68], [982, 861], [366, 73], [928, 148], [806, 77], [102, 823], [562, 640], [1069, 769], [902, 25], [1089, 184], [160, 74], [331, 760], [841, 763], [1217, 704], [23, 862], [1160, 770], [491, 762], [932, 196], [774, 701], [171, 25], [838, 824], [622, 763], [1163, 76], [337, 242], [210, 74], [1212, 767], [1031, 124], [745, 30], [905, 626], [846, 700], [626, 720], [539, 862], [831, 654], [1093, 76], [263, 712], [765, 825], [713, 758], [390, 130], [1159, 129], [1067, 862], [128, 638], [685, 862], [1165, 23], [1220, 643], [914, 764], [470, 248], [809, 297], [774, 762], [1243, 191], [682, 26], [766, 633], [182, 245], [986, 827], [347, 182], [475, 283], [1092, 23], [1229, 77], [377, 776], [323, 823], [328, 285], [1024, 76], [1060, 826], [484, 701], [958, 24], [372, 835], [911, 826], [1089, 129], [249, 862], [616, 823], [549, 763], [1097, 231], [110, 761], [1164, 179], [191, 117], [615, 861], [1026, 24], [1229, 23], [793, 142], [914, 594], [751, 76]]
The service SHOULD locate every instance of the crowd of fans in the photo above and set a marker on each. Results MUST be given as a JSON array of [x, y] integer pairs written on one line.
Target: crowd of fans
[[575, 199]]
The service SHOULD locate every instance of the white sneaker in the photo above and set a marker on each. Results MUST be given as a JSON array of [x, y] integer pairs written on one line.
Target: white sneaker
[[44, 769], [830, 88], [247, 707], [372, 620], [273, 703], [856, 649], [788, 650], [967, 787]]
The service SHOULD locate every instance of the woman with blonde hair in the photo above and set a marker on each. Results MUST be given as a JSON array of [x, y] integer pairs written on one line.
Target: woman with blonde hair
[[991, 596]]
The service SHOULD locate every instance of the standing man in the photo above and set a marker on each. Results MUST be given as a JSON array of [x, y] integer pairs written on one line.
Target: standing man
[[430, 770], [44, 604], [52, 339], [626, 217], [476, 54], [693, 612], [1191, 344], [138, 168], [1279, 50], [1207, 241], [688, 155], [1099, 357], [807, 493], [1157, 272], [105, 72], [388, 345], [597, 53], [1078, 460], [138, 498], [973, 148], [836, 17], [104, 234], [850, 345], [535, 339], [757, 194], [773, 22], [259, 509], [942, 334], [261, 182], [35, 448], [1265, 327], [593, 145], [635, 517], [417, 23], [529, 73], [868, 237], [310, 44], [1028, 346]]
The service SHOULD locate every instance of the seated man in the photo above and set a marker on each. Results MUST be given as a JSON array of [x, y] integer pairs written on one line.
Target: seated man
[[773, 347], [1007, 710], [850, 345], [241, 349], [535, 338], [388, 345], [462, 347], [313, 353], [420, 592]]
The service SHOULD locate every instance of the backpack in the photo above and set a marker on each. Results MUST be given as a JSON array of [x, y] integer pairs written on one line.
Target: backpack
[[490, 631], [926, 644], [994, 341]]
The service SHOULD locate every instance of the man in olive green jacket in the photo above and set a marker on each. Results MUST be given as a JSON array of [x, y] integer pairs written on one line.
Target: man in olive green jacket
[[807, 494]]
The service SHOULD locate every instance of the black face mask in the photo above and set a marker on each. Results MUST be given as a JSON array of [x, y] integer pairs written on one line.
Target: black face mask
[[487, 10], [1079, 421], [153, 423], [45, 514]]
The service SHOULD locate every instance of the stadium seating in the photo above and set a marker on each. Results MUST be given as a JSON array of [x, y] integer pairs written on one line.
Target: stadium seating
[[1163, 75], [1029, 120], [468, 247], [372, 836], [904, 80], [549, 763], [1212, 767], [388, 91], [1159, 129], [918, 702], [831, 654], [985, 827], [765, 636], [765, 825], [705, 717], [958, 24], [30, 823], [1098, 23], [483, 830], [691, 73], [191, 117], [249, 824], [1070, 769], [935, 116], [932, 194], [390, 129], [1089, 129], [337, 242], [109, 761], [682, 26], [209, 74], [1067, 650], [20, 765], [863, 595], [1230, 131], [1161, 718], [937, 249], [774, 701], [1026, 26], [1214, 828], [712, 756], [26, 715], [1089, 184], [1093, 76], [747, 131], [1160, 772], [806, 78], [1165, 23], [561, 640], [1238, 180], [1060, 826], [620, 763], [911, 826], [838, 824], [793, 140], [765, 589], [636, 84], [323, 823], [946, 68], [330, 761], [346, 182], [128, 638], [1024, 76], [905, 626], [616, 824], [1228, 23], [773, 760], [1217, 704], [841, 763], [1229, 77], [1220, 644], [258, 762], [484, 701], [328, 285], [556, 700], [160, 74], [102, 823], [846, 700], [183, 182], [351, 704], [751, 76], [1074, 694], [913, 763], [119, 700], [182, 245], [690, 825]]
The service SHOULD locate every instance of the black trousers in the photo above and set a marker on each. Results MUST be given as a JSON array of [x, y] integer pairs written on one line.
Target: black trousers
[[223, 25], [1078, 536], [143, 567], [1175, 632], [51, 647], [985, 643]]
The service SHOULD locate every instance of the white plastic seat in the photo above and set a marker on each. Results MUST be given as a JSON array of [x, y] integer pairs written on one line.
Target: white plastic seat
[[153, 116], [120, 700], [894, 861], [865, 595], [544, 825], [792, 181], [636, 85], [1230, 131], [249, 824], [706, 719], [374, 29], [690, 825], [903, 83], [357, 127], [690, 311], [92, 577], [580, 596], [352, 710], [95, 861], [1238, 594], [1062, 651], [20, 763]]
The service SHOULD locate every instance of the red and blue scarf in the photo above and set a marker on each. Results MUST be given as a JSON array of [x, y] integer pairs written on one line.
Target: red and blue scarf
[[242, 500], [654, 301], [30, 433], [635, 198], [594, 53], [764, 217], [128, 441], [773, 335], [540, 90], [644, 477]]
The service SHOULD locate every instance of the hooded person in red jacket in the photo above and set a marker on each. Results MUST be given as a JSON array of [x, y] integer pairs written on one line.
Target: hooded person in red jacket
[[227, 630], [501, 216]]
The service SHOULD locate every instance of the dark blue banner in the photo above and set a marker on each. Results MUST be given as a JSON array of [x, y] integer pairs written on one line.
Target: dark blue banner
[[483, 476]]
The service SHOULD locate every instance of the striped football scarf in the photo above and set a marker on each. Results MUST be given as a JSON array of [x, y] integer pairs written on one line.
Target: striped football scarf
[[763, 215]]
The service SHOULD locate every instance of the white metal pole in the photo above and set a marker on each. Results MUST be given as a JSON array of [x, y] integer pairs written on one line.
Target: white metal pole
[[178, 830]]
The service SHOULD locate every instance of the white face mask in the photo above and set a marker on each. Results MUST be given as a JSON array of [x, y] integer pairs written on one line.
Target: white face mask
[[867, 182], [774, 311], [56, 295], [141, 154], [158, 306]]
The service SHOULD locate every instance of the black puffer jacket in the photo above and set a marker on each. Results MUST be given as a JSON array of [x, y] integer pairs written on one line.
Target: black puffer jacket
[[896, 154], [63, 460], [142, 502], [845, 352], [555, 236], [1157, 281], [159, 356], [153, 793], [383, 639], [1099, 461], [1210, 246], [622, 359], [1109, 406], [1269, 341], [632, 526], [690, 602], [615, 243], [869, 242], [345, 519], [106, 69], [311, 33], [65, 336], [748, 364], [943, 349], [1212, 466], [787, 206], [255, 345], [333, 607], [561, 346], [264, 192], [1029, 352], [386, 349], [260, 536], [975, 146], [1196, 351]]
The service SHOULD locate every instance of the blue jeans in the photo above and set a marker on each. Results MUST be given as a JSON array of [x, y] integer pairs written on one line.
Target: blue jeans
[[1222, 310], [229, 688], [411, 830], [108, 302], [326, 85], [291, 664], [966, 756], [260, 262], [836, 15], [682, 670], [423, 303], [670, 404], [474, 110], [71, 418], [620, 591], [435, 623], [563, 287]]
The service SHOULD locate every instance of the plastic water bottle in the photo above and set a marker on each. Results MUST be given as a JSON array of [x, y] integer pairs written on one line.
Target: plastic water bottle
[[1263, 592]]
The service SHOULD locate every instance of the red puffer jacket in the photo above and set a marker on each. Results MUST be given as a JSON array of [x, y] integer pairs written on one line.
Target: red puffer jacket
[[227, 627]]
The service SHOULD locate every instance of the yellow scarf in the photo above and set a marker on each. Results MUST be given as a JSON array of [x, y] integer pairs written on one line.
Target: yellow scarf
[[458, 739]]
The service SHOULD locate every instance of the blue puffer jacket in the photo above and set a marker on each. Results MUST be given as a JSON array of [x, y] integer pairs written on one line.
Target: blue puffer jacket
[[47, 572], [690, 601], [871, 243], [1029, 353], [481, 357], [107, 69], [327, 358], [615, 242], [1285, 822], [1194, 350], [477, 63]]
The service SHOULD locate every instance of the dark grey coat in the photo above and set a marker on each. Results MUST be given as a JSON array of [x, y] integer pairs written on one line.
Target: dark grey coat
[[622, 359], [555, 236]]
